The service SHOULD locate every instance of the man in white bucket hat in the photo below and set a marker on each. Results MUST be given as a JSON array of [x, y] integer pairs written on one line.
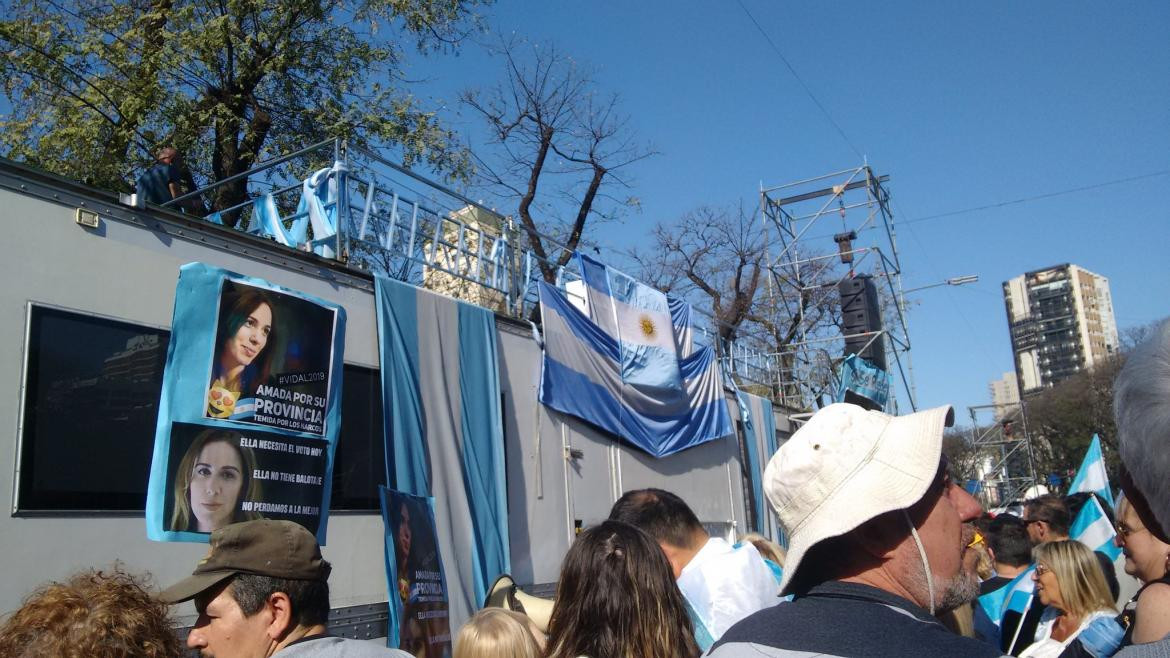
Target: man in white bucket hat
[[878, 541]]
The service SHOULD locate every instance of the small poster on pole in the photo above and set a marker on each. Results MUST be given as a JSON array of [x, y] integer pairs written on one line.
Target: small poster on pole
[[419, 621]]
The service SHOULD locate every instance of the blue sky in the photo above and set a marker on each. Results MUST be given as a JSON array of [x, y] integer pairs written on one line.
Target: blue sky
[[963, 105]]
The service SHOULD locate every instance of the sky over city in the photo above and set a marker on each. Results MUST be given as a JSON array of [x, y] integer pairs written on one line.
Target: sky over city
[[1005, 128]]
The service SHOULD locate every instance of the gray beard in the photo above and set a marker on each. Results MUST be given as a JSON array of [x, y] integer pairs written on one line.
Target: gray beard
[[963, 588], [948, 594]]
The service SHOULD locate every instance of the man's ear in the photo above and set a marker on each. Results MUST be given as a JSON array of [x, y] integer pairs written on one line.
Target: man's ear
[[990, 552], [1044, 530], [675, 556], [880, 537], [279, 606]]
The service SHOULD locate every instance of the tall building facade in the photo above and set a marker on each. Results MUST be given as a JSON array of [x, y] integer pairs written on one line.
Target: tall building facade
[[1005, 395], [1061, 322]]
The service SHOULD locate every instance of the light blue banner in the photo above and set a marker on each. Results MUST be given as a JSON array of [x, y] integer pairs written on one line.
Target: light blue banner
[[250, 409], [860, 377], [444, 431], [581, 376]]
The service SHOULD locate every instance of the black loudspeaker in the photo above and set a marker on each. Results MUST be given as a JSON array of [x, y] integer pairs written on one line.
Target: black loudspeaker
[[860, 314]]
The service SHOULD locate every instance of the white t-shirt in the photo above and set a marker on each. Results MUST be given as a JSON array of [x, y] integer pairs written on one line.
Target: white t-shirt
[[725, 584]]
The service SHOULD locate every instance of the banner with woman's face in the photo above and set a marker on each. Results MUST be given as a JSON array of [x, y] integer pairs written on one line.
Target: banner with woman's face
[[271, 363], [250, 407], [419, 621]]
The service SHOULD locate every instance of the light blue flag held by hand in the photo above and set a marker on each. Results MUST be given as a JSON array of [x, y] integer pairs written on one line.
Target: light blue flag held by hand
[[1093, 529], [638, 317], [1015, 596], [1092, 476]]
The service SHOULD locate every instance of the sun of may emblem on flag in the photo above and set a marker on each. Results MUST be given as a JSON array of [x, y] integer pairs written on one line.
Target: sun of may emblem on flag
[[647, 324]]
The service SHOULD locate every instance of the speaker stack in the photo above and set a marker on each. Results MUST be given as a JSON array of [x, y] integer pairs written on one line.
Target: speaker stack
[[860, 314]]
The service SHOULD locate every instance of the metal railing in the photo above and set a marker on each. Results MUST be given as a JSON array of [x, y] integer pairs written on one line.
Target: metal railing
[[390, 221]]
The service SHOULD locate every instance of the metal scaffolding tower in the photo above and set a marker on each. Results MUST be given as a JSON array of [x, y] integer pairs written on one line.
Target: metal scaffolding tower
[[828, 229], [1006, 466]]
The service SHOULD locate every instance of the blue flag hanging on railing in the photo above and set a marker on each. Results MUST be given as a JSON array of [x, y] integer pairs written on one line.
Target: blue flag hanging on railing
[[638, 318], [582, 375]]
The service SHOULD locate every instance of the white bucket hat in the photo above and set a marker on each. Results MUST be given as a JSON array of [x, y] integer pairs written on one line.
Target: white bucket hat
[[846, 466]]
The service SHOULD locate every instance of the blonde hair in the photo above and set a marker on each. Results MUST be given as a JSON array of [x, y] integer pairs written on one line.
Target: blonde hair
[[1077, 571], [496, 633], [768, 549]]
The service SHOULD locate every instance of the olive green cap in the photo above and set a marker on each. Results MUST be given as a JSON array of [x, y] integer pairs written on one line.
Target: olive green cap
[[278, 549]]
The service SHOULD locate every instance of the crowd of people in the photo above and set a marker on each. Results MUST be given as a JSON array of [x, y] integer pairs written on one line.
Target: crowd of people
[[886, 556]]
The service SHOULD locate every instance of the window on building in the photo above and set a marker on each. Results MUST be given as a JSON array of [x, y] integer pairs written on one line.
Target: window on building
[[90, 407], [359, 464], [90, 404]]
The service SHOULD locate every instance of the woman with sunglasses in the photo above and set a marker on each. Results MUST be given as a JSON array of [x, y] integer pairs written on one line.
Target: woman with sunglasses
[[1069, 581], [1146, 617]]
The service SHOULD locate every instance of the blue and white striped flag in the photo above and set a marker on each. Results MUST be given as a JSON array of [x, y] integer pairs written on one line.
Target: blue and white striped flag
[[444, 432], [638, 318], [1092, 476], [582, 376], [1093, 529], [684, 331], [1016, 596]]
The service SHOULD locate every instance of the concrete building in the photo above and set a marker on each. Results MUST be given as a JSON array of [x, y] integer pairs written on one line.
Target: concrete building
[[1005, 394], [1061, 322]]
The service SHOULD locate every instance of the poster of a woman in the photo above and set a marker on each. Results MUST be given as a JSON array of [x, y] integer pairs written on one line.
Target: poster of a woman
[[245, 341], [213, 479], [249, 410], [423, 626], [271, 364]]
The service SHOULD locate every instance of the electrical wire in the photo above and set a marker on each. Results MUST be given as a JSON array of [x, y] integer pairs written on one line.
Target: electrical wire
[[800, 80], [1037, 197]]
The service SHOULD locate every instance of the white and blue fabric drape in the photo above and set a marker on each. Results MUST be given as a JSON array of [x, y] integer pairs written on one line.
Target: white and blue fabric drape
[[319, 205], [583, 375], [638, 318], [444, 432], [266, 221], [760, 438]]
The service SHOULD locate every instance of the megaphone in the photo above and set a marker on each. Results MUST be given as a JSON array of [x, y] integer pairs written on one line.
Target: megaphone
[[504, 593]]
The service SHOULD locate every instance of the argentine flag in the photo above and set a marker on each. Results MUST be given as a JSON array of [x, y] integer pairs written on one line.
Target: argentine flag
[[1093, 529], [637, 317], [1015, 596], [582, 375], [1092, 476]]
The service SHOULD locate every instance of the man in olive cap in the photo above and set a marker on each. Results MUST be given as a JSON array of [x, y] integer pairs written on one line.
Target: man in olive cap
[[262, 590]]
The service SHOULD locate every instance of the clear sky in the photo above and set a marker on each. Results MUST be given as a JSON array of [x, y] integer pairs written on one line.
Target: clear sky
[[963, 105]]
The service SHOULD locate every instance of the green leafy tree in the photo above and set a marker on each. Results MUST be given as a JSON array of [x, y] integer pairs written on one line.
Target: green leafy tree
[[1063, 419], [97, 87]]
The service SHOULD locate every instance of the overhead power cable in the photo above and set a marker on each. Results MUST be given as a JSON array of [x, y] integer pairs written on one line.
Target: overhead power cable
[[1036, 197], [800, 80]]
